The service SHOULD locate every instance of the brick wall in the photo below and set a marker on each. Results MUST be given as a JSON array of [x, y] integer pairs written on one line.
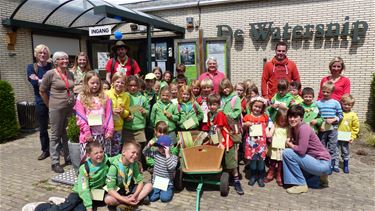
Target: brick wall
[[312, 57]]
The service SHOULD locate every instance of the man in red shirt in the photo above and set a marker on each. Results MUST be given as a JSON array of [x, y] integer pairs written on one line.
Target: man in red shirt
[[280, 67], [122, 63]]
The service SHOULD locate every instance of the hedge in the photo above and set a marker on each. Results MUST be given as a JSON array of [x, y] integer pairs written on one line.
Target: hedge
[[8, 120]]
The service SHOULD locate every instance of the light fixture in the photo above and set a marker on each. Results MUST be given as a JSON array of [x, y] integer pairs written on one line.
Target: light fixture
[[189, 23]]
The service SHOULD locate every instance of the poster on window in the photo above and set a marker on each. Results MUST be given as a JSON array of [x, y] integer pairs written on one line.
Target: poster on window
[[161, 52], [152, 49], [187, 53], [217, 49], [102, 59]]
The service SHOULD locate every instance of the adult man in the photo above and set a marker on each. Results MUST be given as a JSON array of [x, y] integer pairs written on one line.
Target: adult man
[[280, 67], [213, 73], [121, 62]]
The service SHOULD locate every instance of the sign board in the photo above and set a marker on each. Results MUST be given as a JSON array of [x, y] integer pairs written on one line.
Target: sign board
[[102, 60], [100, 31]]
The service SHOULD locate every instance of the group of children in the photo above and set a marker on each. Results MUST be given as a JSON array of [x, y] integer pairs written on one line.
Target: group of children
[[135, 115]]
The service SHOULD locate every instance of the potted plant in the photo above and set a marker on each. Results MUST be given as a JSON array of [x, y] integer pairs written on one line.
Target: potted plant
[[73, 144]]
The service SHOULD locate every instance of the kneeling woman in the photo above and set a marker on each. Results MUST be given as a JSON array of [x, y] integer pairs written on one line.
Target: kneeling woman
[[306, 158]]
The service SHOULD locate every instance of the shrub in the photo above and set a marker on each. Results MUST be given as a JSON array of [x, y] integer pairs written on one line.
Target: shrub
[[73, 130], [8, 120], [366, 135]]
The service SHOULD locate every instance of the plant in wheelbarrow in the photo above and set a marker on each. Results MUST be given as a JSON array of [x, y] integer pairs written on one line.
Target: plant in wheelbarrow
[[73, 144]]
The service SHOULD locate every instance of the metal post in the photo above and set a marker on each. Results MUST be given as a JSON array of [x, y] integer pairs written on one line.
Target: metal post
[[149, 48]]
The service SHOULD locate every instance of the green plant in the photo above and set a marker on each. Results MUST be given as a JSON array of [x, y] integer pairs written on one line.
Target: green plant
[[73, 130], [8, 121], [366, 135]]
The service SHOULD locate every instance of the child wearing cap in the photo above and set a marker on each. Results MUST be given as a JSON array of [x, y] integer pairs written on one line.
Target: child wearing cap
[[164, 167], [150, 94]]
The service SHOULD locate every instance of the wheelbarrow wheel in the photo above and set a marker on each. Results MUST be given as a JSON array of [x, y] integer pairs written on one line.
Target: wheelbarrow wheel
[[179, 183], [224, 184]]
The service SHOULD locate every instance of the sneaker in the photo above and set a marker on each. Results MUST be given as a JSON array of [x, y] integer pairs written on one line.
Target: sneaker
[[31, 206], [260, 182], [238, 188], [57, 168], [43, 156], [123, 207], [297, 189], [252, 181], [324, 181], [56, 200]]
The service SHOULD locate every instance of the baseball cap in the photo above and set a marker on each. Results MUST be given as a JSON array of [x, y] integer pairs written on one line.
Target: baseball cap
[[164, 140], [150, 76]]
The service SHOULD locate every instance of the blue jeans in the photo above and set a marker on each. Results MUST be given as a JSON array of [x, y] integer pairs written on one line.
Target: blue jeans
[[42, 114], [329, 140], [164, 196], [296, 167]]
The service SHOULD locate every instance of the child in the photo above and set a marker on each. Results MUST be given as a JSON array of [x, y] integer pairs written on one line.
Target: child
[[135, 123], [207, 87], [256, 145], [218, 124], [158, 73], [174, 93], [168, 77], [196, 88], [240, 89], [91, 176], [94, 114], [189, 111], [165, 110], [330, 110], [348, 129], [106, 85], [157, 86], [124, 174], [311, 115], [279, 135], [251, 91], [150, 94], [294, 88], [281, 100], [120, 107], [165, 167], [181, 80]]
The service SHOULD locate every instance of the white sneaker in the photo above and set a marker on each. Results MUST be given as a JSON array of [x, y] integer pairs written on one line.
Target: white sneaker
[[56, 200], [31, 206]]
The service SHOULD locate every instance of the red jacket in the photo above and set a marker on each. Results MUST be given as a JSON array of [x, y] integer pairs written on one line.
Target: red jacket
[[274, 71]]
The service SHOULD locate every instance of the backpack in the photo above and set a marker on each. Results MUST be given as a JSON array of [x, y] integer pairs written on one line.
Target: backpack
[[131, 65]]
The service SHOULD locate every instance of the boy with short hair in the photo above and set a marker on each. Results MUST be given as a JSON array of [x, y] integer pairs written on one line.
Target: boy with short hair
[[164, 167], [218, 123], [125, 175], [330, 110], [311, 115], [348, 129], [294, 88], [207, 87], [150, 94]]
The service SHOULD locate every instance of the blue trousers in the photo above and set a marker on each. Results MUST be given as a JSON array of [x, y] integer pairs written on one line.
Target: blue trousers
[[42, 114], [298, 170], [164, 196], [329, 140]]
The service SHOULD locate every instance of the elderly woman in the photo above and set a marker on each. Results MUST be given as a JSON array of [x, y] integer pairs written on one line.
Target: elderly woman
[[80, 68], [35, 73], [59, 83], [342, 83], [213, 73], [306, 158]]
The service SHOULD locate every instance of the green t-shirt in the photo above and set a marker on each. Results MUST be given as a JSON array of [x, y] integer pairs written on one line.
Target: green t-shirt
[[139, 120], [287, 99], [311, 113], [231, 106], [157, 114]]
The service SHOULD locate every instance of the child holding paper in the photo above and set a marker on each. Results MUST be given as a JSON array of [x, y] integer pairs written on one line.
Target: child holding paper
[[165, 110], [348, 129], [196, 88], [294, 89], [164, 168], [189, 111], [94, 114], [256, 145], [207, 87], [218, 124], [174, 93], [279, 135], [311, 116], [283, 99], [120, 107]]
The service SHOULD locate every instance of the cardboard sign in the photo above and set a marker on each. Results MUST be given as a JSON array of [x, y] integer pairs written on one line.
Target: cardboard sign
[[278, 142], [189, 123], [161, 183], [95, 119], [344, 136], [97, 194], [135, 108], [256, 130], [100, 30]]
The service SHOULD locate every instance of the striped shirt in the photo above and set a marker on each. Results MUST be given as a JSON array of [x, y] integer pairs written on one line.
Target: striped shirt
[[164, 167], [330, 108]]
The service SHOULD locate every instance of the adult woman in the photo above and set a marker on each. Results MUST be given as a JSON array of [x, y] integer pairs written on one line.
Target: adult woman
[[342, 83], [213, 73], [80, 68], [306, 158], [59, 83], [35, 73]]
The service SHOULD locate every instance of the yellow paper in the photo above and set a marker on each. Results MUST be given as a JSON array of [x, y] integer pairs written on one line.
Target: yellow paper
[[344, 136], [187, 139], [278, 142], [189, 123], [97, 194], [95, 119], [256, 130], [161, 183], [134, 108], [326, 127]]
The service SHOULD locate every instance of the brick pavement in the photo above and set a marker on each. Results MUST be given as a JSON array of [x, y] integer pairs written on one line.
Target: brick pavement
[[24, 179]]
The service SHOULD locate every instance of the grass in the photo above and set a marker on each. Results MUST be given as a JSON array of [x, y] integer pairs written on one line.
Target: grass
[[367, 135]]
